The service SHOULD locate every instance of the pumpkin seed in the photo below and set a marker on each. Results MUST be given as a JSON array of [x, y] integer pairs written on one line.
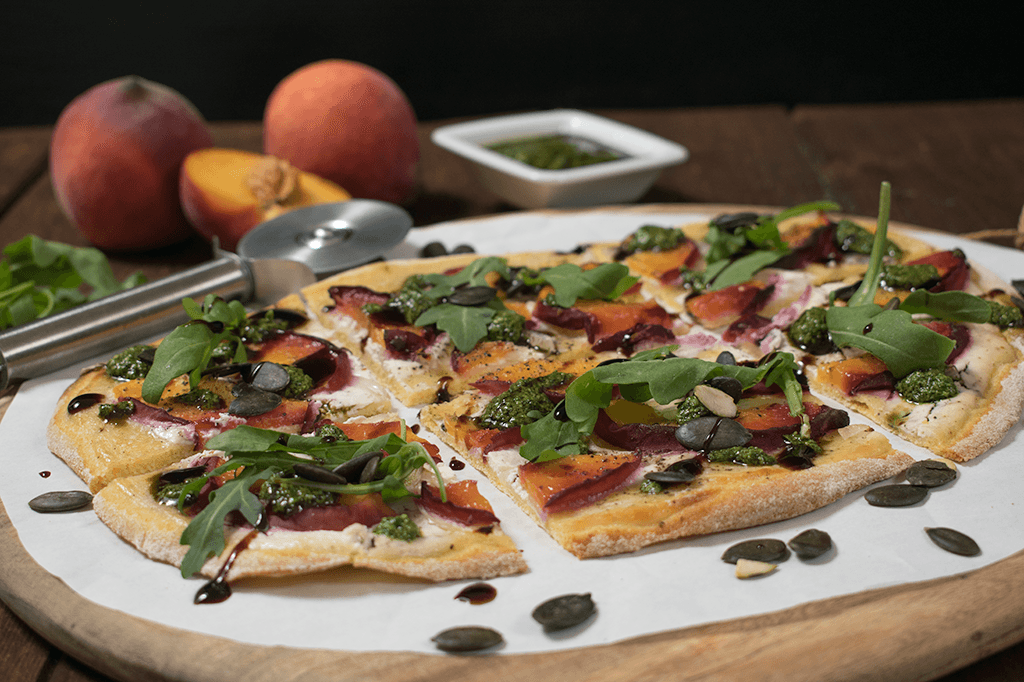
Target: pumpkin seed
[[60, 501], [748, 568], [953, 541], [734, 221], [896, 495], [250, 402], [930, 473], [270, 376], [433, 250], [669, 477], [351, 469], [728, 385], [712, 433], [726, 358], [811, 544], [716, 400], [312, 472], [181, 475], [467, 638], [564, 611], [469, 296], [369, 471], [767, 550]]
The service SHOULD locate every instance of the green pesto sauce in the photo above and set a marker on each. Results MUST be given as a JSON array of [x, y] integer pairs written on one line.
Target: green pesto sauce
[[118, 411], [691, 408], [202, 398], [128, 365], [299, 383], [649, 487], [331, 433], [410, 301], [801, 444], [908, 276], [554, 152], [506, 325], [257, 329], [283, 497], [170, 494], [695, 280], [926, 386], [810, 332], [749, 455], [853, 238], [523, 402], [653, 238], [1005, 316], [399, 527]]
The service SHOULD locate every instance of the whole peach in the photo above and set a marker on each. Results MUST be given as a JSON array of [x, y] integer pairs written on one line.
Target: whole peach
[[346, 122], [115, 155]]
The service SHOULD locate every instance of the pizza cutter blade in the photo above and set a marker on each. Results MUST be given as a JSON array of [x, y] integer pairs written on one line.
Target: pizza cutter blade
[[329, 237]]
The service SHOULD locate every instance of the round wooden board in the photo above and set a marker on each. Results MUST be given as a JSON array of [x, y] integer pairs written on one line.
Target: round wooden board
[[910, 632]]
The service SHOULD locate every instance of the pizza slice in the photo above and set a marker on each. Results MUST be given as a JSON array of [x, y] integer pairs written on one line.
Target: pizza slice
[[365, 493], [271, 369], [429, 328], [657, 447], [931, 349]]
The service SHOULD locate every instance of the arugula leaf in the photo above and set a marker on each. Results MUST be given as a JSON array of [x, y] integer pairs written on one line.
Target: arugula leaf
[[185, 350], [763, 239], [189, 348], [956, 306], [643, 377], [889, 335], [474, 274], [606, 282], [869, 285], [465, 325], [740, 270], [205, 533], [40, 278]]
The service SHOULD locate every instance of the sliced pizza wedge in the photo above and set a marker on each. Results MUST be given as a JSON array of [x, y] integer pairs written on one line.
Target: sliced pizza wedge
[[281, 374], [937, 360], [429, 328], [363, 493], [659, 447]]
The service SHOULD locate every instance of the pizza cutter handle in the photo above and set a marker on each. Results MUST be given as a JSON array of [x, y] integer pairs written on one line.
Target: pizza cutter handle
[[119, 320]]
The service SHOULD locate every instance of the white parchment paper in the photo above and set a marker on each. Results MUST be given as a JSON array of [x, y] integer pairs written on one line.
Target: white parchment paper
[[673, 585]]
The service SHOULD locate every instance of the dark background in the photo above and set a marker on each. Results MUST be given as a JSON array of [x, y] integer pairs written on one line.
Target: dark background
[[469, 58]]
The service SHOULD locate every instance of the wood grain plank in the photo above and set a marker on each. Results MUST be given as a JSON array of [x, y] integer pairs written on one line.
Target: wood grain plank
[[954, 167], [23, 155]]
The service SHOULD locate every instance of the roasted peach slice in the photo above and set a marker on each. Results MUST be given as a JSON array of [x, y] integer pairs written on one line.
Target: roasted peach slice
[[227, 192]]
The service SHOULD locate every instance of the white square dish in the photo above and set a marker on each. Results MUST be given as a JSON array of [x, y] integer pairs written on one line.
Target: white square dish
[[622, 180]]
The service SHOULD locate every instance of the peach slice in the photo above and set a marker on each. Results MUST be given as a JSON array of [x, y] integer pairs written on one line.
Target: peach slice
[[227, 192]]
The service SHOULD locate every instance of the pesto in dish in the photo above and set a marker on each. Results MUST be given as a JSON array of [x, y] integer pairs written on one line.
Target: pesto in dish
[[555, 152]]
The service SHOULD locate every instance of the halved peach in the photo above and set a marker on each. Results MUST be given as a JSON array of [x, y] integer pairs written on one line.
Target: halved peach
[[227, 192]]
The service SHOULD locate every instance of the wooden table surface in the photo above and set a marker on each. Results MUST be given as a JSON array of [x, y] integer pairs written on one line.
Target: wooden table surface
[[957, 167]]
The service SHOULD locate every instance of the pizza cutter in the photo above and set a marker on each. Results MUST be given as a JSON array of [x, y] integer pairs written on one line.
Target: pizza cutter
[[329, 237], [323, 239]]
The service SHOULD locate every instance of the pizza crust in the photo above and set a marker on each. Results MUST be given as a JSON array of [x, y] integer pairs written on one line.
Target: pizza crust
[[99, 452]]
